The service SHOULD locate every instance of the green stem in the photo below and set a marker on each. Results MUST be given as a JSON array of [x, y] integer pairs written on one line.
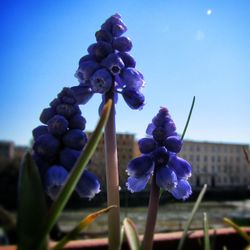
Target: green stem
[[112, 179], [147, 243], [188, 119]]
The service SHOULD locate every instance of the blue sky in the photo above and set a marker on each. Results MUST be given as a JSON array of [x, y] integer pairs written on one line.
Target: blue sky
[[183, 48]]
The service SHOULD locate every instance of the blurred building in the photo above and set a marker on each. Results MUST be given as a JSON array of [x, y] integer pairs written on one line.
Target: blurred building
[[217, 164], [7, 150], [20, 152], [10, 152], [126, 148]]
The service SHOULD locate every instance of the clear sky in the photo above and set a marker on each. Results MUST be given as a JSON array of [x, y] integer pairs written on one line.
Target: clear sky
[[183, 48]]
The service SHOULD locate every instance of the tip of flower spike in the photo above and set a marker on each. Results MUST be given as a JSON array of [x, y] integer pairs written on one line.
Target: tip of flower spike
[[164, 111]]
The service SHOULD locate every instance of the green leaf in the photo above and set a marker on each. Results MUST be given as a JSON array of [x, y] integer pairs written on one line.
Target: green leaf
[[243, 234], [188, 119], [191, 217], [75, 173], [131, 234], [31, 205], [82, 225], [206, 232]]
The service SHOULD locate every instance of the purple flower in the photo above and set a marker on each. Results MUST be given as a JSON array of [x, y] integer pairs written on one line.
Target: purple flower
[[58, 144], [88, 185], [134, 98], [159, 158], [101, 81], [54, 180], [109, 66]]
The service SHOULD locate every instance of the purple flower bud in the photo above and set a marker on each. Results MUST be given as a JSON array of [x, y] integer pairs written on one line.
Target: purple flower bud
[[170, 128], [66, 110], [101, 81], [46, 114], [82, 94], [159, 135], [151, 127], [128, 60], [182, 191], [161, 157], [75, 139], [67, 96], [68, 157], [140, 166], [166, 178], [88, 185], [114, 25], [123, 44], [103, 36], [114, 63], [100, 50], [173, 144], [57, 125], [132, 78], [77, 121], [86, 70], [86, 58], [55, 103], [147, 145], [54, 180], [161, 118], [134, 98], [47, 146], [38, 131]]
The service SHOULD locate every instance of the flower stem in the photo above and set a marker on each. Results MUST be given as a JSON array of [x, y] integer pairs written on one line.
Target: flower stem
[[112, 179], [147, 243]]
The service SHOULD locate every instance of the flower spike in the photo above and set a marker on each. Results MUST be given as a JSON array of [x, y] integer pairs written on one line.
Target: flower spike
[[159, 158], [109, 67]]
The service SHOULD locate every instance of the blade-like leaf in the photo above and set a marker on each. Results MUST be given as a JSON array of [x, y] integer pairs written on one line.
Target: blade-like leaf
[[75, 173], [31, 205], [190, 219], [131, 234], [188, 119], [82, 225], [206, 232], [243, 234]]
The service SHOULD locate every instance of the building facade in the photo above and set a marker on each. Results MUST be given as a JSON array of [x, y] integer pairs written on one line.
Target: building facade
[[126, 152], [219, 165]]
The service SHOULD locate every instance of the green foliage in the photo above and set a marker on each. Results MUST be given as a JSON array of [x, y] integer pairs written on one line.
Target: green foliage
[[191, 217], [82, 225], [243, 234], [131, 234], [31, 205], [188, 119], [206, 232]]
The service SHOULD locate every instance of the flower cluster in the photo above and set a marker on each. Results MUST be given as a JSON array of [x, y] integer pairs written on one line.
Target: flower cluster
[[58, 144], [159, 157], [109, 67]]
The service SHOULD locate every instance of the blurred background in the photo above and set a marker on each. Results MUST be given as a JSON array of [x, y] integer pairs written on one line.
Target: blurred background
[[183, 49]]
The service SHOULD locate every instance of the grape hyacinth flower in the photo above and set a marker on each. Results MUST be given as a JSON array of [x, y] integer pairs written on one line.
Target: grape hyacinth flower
[[159, 157], [58, 144], [109, 67]]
